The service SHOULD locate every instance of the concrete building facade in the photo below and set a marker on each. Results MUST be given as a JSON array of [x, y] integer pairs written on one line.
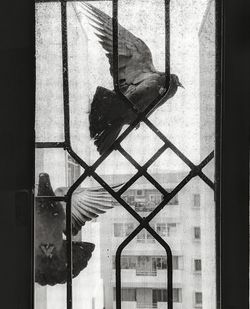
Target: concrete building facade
[[144, 261]]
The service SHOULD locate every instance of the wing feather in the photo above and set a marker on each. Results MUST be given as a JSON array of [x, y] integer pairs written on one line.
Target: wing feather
[[135, 57], [87, 204]]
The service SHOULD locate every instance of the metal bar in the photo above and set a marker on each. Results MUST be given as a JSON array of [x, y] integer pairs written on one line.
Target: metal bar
[[169, 259], [142, 171], [170, 145], [67, 142], [50, 144], [167, 42]]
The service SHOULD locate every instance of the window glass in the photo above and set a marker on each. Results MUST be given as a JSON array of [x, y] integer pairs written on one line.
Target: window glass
[[197, 265], [162, 166], [197, 233]]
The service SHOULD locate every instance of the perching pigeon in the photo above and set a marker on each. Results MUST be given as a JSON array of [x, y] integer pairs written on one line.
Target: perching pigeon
[[50, 224], [139, 81]]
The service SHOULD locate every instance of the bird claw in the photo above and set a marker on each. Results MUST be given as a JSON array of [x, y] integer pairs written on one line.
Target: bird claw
[[162, 90], [138, 126]]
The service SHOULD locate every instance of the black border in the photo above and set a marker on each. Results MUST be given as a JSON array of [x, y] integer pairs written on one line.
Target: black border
[[17, 139]]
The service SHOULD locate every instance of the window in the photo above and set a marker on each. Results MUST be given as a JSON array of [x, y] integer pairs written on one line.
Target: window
[[128, 294], [197, 265], [139, 192], [123, 229], [198, 299], [77, 65], [197, 233], [130, 199], [196, 200], [128, 228], [177, 295], [177, 262], [172, 228], [159, 262], [159, 295], [161, 229], [174, 200]]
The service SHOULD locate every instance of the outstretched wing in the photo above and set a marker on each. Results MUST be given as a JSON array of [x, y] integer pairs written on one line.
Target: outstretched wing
[[135, 59], [87, 204]]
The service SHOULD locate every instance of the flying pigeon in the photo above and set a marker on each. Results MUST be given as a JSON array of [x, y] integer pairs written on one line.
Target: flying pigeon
[[50, 224], [139, 81]]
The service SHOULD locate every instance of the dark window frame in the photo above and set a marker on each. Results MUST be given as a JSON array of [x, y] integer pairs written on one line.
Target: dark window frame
[[17, 57]]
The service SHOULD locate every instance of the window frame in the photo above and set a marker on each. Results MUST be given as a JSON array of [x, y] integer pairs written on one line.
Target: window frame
[[18, 50]]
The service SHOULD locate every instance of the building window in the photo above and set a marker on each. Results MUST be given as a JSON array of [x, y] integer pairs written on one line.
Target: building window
[[161, 229], [159, 295], [197, 265], [177, 295], [171, 229], [139, 192], [128, 262], [145, 236], [174, 200], [128, 294], [198, 299], [159, 262], [130, 199], [123, 229], [128, 228], [177, 262], [73, 170], [196, 200], [197, 233]]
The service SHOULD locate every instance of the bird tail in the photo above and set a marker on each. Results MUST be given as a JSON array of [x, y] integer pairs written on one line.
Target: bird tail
[[105, 121], [107, 137]]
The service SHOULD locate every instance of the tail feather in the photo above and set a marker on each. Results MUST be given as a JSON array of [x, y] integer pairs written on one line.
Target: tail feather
[[107, 111], [107, 137]]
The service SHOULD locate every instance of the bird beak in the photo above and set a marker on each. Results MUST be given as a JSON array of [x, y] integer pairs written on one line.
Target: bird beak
[[180, 85]]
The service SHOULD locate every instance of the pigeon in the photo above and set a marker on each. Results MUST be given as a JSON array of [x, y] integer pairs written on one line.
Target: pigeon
[[50, 224], [138, 80]]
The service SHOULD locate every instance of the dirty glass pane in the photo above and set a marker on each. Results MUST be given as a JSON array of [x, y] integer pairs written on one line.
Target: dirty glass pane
[[116, 172]]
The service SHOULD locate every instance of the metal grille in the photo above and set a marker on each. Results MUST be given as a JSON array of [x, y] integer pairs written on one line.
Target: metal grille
[[195, 170]]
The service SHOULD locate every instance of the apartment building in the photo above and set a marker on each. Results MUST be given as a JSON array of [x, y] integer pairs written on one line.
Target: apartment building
[[144, 260]]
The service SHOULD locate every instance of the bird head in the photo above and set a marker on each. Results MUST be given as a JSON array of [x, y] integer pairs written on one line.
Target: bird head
[[44, 186], [175, 80]]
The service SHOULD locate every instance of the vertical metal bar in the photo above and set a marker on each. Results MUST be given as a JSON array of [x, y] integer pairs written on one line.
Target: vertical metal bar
[[170, 278], [116, 87], [65, 72], [67, 144], [118, 278], [115, 45], [167, 40]]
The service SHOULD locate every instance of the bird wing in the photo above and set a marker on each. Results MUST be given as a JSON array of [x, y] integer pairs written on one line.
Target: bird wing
[[135, 58], [87, 204]]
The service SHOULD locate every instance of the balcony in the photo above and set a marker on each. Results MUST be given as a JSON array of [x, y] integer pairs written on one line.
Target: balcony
[[138, 278], [146, 306], [138, 305], [140, 272]]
